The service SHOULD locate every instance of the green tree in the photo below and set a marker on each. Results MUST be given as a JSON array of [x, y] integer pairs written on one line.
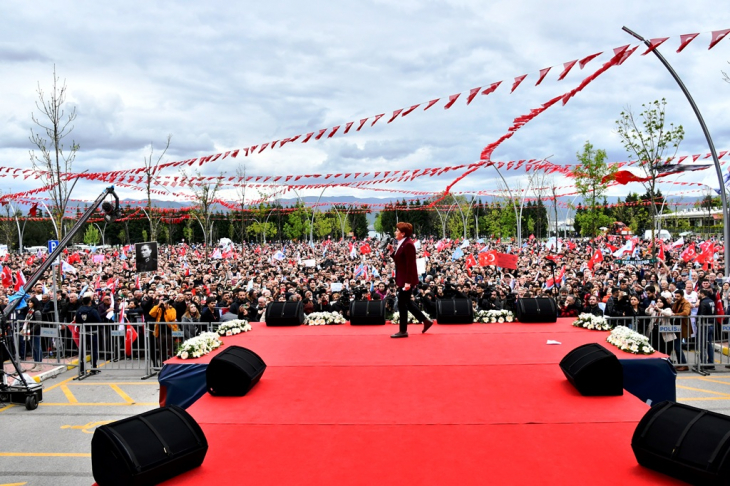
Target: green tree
[[91, 235], [297, 223], [589, 174], [649, 138]]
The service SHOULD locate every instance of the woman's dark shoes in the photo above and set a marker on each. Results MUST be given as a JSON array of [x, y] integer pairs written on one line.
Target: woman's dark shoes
[[427, 325], [399, 335], [681, 368]]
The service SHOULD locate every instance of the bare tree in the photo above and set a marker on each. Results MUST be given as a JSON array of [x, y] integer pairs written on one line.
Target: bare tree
[[151, 168], [52, 160], [725, 75], [241, 193], [204, 193]]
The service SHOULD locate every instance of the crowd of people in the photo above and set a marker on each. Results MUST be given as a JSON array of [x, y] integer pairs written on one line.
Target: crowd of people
[[194, 284]]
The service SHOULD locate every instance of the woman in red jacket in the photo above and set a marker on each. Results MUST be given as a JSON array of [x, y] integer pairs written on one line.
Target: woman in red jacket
[[406, 277]]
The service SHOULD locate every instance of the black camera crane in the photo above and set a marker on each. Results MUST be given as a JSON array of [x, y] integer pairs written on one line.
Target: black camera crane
[[25, 393]]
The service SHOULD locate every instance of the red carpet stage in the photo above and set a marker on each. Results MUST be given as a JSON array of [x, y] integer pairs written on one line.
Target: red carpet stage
[[475, 404]]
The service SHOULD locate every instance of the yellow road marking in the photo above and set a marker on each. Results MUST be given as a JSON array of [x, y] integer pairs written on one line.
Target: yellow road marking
[[715, 381], [86, 429], [94, 383], [703, 391], [120, 404], [69, 396], [45, 454], [13, 484], [702, 399], [119, 391], [7, 407], [59, 384]]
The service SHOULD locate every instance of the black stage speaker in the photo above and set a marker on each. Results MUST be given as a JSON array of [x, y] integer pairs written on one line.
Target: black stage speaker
[[364, 312], [542, 309], [594, 371], [147, 449], [285, 313], [454, 311], [684, 442], [234, 372]]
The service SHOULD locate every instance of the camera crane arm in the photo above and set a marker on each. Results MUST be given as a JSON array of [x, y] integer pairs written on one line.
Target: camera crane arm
[[111, 213]]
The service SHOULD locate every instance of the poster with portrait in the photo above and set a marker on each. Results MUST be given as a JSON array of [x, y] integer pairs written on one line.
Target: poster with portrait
[[145, 256]]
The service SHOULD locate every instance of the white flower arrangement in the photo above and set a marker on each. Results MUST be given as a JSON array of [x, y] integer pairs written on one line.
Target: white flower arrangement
[[594, 323], [236, 326], [324, 318], [200, 345], [411, 318], [630, 341], [491, 316]]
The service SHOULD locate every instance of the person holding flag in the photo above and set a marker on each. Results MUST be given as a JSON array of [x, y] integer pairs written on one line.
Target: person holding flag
[[406, 278]]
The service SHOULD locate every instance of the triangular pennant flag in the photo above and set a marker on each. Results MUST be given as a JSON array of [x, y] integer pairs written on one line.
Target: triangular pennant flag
[[362, 122], [685, 40], [395, 115], [517, 82], [472, 94], [717, 36], [543, 73], [334, 130], [452, 100], [319, 135], [410, 110], [348, 126], [492, 87], [654, 43], [377, 117], [567, 66], [582, 63], [431, 103]]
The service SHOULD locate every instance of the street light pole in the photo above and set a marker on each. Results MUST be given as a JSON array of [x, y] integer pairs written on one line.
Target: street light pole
[[718, 169]]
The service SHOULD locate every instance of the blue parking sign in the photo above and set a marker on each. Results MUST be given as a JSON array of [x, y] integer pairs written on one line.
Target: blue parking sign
[[52, 245]]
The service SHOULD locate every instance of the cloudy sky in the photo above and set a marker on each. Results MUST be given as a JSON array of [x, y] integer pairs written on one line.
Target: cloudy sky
[[225, 75]]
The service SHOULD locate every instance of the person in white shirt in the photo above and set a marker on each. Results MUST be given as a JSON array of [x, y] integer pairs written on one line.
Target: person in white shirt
[[691, 296]]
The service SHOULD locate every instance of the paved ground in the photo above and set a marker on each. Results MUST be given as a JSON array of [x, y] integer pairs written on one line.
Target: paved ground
[[51, 446]]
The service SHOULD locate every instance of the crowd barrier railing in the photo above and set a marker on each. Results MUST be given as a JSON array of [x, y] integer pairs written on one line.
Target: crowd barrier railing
[[110, 347]]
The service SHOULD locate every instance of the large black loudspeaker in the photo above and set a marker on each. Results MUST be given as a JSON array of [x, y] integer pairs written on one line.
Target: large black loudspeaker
[[364, 312], [454, 311], [684, 442], [542, 309], [234, 372], [147, 449], [285, 314], [594, 371]]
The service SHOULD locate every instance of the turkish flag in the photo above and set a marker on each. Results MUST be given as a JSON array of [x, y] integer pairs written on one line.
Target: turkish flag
[[487, 258], [19, 280], [130, 337], [506, 260], [660, 254], [365, 249], [75, 334], [7, 277], [596, 258], [689, 254], [470, 261]]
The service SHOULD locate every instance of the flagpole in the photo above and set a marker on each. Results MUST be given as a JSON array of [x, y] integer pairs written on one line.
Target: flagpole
[[718, 169]]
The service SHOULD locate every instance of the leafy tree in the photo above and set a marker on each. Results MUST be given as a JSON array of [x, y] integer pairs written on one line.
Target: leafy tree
[[648, 137], [359, 221], [91, 235], [297, 224], [588, 174]]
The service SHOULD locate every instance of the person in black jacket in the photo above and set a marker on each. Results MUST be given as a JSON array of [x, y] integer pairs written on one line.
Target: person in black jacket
[[89, 318], [592, 307], [706, 328], [210, 314]]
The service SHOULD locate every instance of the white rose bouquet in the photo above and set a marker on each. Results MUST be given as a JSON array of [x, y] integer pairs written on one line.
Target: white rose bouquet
[[630, 341], [199, 345], [594, 323], [234, 327], [491, 316], [411, 318], [324, 318]]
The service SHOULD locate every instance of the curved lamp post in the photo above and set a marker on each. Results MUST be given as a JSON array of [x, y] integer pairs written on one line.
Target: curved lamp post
[[718, 169]]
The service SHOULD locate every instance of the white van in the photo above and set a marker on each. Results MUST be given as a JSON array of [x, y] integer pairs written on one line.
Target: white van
[[661, 234]]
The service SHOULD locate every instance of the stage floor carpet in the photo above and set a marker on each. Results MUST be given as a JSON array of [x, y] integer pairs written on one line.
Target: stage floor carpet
[[474, 404]]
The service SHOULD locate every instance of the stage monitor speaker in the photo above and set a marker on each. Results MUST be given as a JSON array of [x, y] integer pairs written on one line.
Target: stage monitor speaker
[[147, 449], [594, 371], [541, 309], [285, 313], [684, 442], [367, 312], [454, 311], [234, 372]]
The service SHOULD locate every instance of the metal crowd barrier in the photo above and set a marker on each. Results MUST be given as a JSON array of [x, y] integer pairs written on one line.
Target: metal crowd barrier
[[705, 350], [103, 347]]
